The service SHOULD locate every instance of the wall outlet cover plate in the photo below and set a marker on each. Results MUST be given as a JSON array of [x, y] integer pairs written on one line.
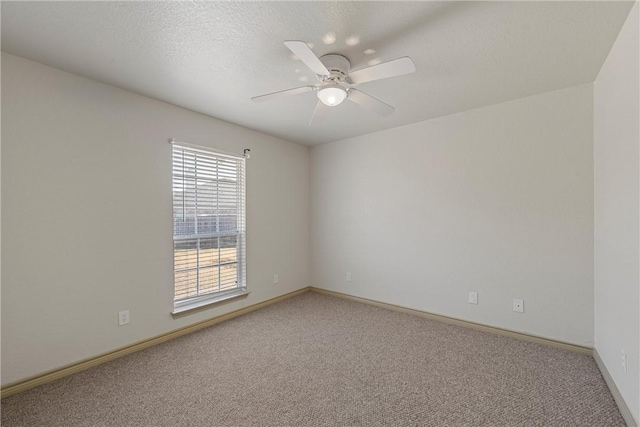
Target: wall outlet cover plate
[[473, 297], [518, 306]]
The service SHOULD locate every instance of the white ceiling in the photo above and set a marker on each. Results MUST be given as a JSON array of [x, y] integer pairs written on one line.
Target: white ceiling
[[213, 57]]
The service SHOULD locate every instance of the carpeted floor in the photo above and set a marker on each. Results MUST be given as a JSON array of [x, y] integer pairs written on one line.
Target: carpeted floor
[[315, 360]]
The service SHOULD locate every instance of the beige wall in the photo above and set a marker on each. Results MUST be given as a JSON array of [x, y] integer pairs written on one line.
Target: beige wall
[[617, 211], [86, 215], [497, 200]]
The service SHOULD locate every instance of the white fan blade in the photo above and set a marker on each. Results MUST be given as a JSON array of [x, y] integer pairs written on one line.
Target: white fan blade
[[397, 67], [283, 93], [306, 55], [319, 114], [369, 102]]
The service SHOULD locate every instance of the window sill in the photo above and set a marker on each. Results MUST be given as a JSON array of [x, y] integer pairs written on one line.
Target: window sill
[[203, 304]]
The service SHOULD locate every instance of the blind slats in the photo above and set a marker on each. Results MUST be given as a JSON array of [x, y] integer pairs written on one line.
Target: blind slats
[[208, 222]]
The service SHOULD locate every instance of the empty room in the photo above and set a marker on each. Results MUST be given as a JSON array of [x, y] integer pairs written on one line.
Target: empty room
[[320, 213]]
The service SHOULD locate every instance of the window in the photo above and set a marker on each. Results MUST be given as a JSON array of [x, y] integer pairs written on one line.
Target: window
[[208, 226]]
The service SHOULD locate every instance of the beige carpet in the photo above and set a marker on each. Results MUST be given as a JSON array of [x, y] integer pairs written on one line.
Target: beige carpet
[[315, 360]]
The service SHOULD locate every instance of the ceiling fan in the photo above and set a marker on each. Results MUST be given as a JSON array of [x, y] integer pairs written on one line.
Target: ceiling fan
[[336, 80]]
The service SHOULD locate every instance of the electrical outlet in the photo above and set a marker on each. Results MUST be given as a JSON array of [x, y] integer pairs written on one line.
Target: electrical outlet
[[473, 297], [123, 317], [276, 278], [348, 277], [623, 358], [518, 306]]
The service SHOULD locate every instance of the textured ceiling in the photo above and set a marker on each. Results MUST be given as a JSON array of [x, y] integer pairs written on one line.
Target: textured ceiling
[[213, 57]]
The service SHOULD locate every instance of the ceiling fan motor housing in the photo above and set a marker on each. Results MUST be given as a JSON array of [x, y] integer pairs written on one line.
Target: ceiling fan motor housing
[[337, 65]]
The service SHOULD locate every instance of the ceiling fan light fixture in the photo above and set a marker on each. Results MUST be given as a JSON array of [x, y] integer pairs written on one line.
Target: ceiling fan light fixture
[[332, 95]]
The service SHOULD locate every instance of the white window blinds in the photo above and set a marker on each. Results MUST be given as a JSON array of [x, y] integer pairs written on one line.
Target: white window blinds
[[208, 224]]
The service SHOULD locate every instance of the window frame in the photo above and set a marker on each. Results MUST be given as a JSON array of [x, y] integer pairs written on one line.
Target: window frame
[[188, 304]]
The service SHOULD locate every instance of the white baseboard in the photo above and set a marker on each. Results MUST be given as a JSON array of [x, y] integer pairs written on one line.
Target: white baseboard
[[622, 405]]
